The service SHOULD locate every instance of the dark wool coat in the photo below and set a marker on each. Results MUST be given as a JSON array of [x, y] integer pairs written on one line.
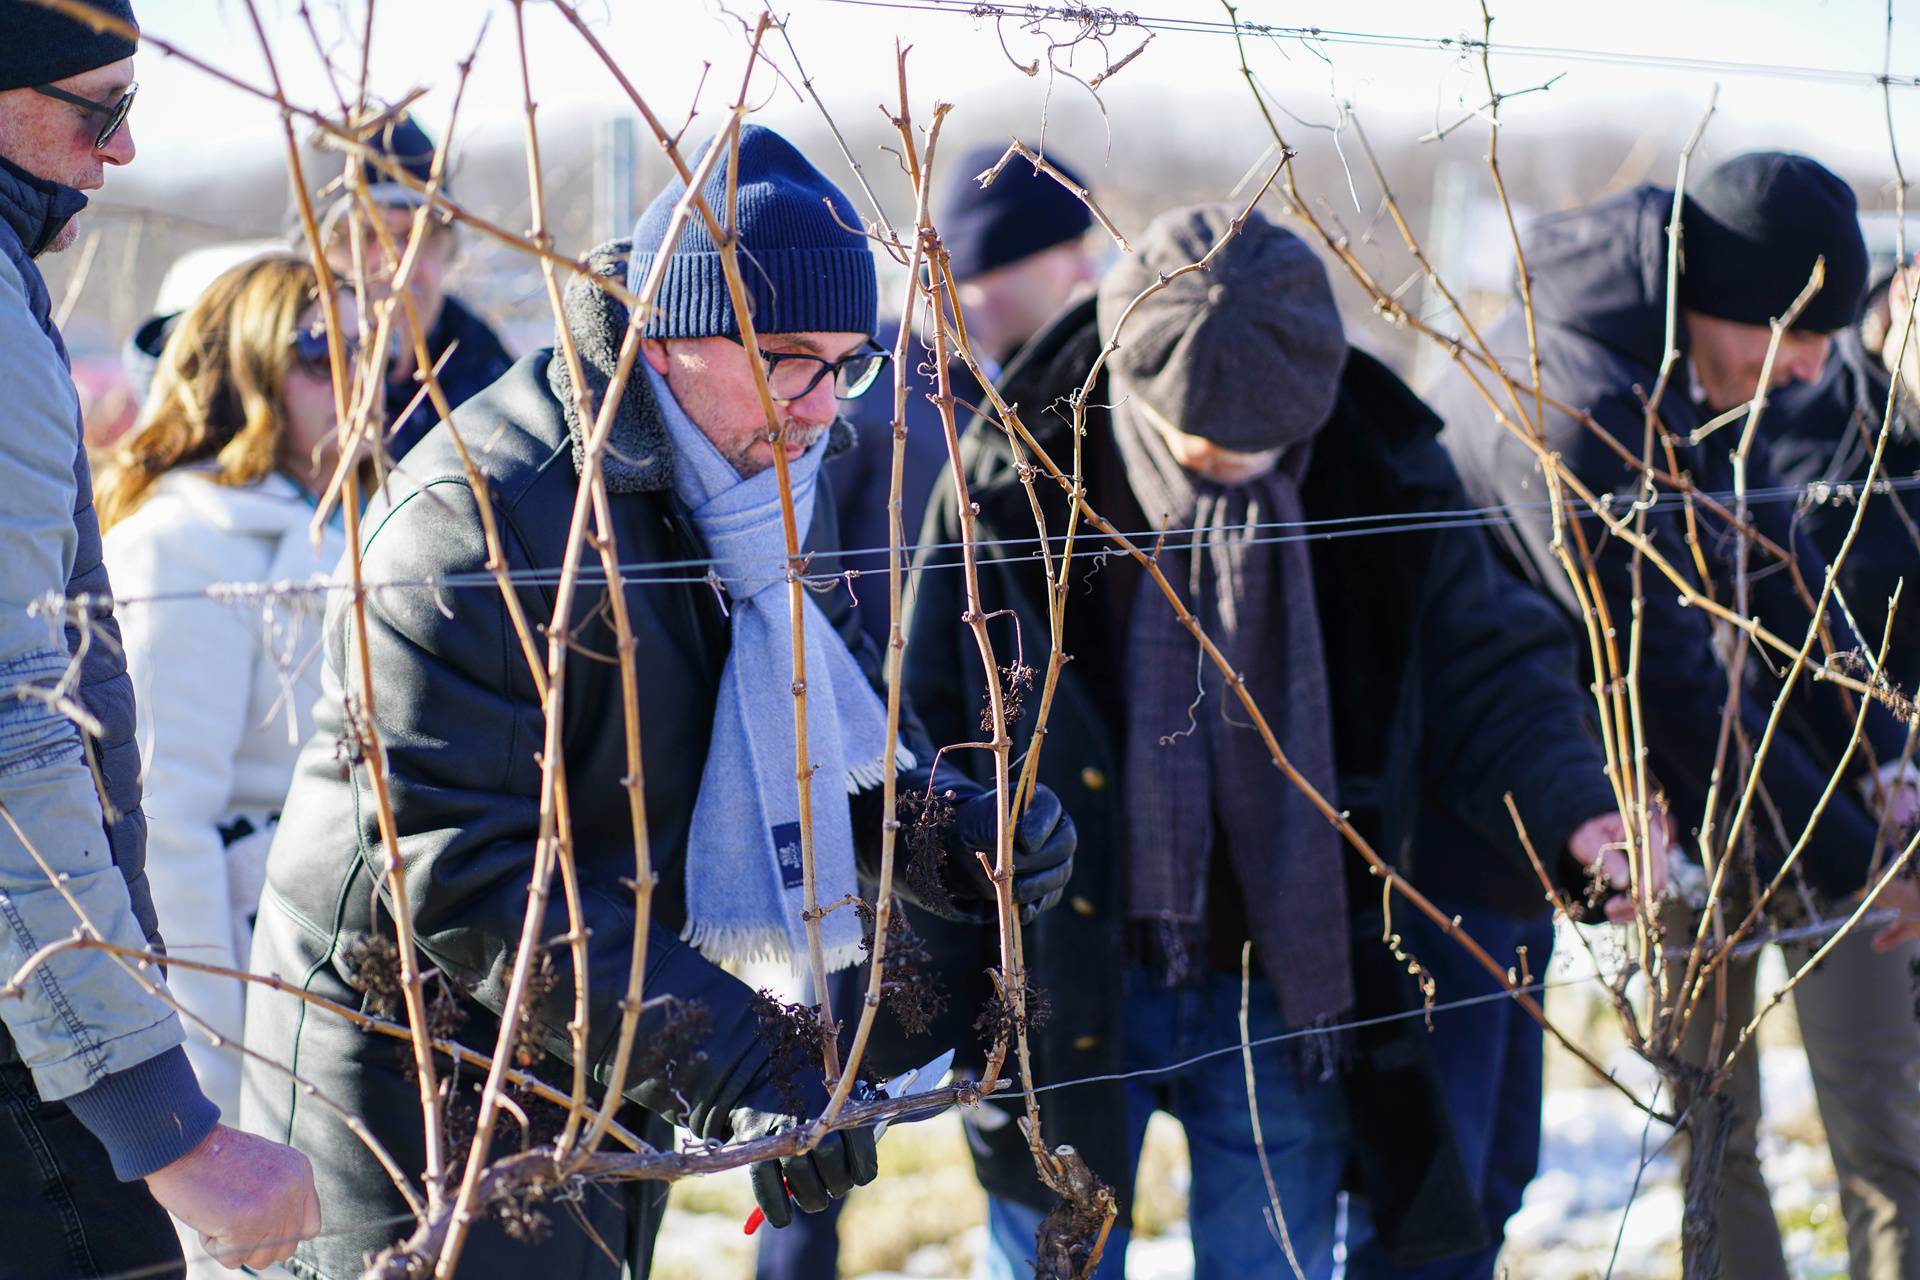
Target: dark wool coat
[[1824, 433], [478, 358], [1448, 680], [32, 211], [463, 726], [1599, 294]]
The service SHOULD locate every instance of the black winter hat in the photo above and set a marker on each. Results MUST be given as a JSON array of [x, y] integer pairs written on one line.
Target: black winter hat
[[1015, 216], [39, 45], [1750, 233]]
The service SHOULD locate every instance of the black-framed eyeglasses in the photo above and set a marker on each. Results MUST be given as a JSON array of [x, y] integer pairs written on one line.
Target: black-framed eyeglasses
[[792, 374], [115, 112]]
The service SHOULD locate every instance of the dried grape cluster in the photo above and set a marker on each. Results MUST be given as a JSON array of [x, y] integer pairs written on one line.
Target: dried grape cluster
[[792, 1035], [926, 819], [910, 989], [999, 1021]]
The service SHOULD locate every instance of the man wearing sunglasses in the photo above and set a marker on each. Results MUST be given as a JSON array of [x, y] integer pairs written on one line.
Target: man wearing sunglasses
[[103, 1127], [693, 508]]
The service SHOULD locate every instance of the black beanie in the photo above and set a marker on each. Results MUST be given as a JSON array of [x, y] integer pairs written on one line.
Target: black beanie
[[404, 143], [1015, 216], [39, 45], [1750, 233]]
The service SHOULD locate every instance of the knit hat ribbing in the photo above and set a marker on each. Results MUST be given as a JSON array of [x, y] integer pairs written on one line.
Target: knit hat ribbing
[[1018, 214], [39, 45], [1247, 353], [1751, 231], [806, 269]]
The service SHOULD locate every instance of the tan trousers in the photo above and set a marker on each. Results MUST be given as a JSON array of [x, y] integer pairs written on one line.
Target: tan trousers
[[1857, 1020]]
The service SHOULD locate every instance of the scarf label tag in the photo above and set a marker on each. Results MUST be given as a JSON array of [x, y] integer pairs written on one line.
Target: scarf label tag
[[786, 848]]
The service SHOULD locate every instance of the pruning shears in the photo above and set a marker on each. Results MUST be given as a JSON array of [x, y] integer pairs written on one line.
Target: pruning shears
[[908, 1083]]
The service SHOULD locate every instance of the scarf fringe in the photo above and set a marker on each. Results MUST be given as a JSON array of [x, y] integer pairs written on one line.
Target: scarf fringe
[[756, 944], [866, 777]]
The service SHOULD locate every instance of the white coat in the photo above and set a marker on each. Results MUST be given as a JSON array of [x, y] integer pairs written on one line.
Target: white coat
[[225, 689]]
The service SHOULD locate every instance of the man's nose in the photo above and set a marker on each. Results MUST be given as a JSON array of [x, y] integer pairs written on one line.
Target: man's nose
[[119, 148], [818, 407], [1804, 361]]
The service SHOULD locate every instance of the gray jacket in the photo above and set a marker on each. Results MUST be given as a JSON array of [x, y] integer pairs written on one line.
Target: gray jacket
[[90, 1032]]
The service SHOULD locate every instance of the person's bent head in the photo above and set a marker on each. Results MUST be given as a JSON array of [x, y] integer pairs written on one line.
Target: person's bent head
[[1017, 247], [243, 389], [366, 234], [1751, 232], [811, 288], [65, 95], [1233, 365]]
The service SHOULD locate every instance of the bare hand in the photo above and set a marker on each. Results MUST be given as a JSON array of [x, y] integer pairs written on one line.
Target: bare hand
[[1903, 895], [1602, 841], [251, 1199]]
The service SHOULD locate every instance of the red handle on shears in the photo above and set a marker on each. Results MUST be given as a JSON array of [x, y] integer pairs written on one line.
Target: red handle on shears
[[758, 1218]]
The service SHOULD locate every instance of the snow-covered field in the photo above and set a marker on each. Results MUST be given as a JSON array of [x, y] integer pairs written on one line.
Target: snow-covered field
[[923, 1217]]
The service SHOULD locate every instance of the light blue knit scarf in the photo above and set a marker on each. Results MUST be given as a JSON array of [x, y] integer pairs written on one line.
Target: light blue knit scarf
[[743, 851]]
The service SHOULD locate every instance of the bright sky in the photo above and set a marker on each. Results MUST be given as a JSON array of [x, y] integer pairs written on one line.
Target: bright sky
[[1183, 82]]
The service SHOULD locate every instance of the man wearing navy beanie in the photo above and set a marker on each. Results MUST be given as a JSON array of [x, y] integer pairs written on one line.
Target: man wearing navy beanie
[[690, 477], [1751, 233], [102, 1124]]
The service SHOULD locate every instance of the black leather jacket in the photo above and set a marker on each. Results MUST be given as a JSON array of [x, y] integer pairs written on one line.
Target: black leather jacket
[[463, 728]]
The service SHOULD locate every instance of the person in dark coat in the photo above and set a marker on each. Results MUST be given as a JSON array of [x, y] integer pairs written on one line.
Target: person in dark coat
[[690, 479], [1821, 434], [1751, 232], [1018, 252], [1394, 668], [463, 346]]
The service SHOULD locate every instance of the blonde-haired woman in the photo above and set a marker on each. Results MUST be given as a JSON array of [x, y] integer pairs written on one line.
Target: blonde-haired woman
[[216, 484]]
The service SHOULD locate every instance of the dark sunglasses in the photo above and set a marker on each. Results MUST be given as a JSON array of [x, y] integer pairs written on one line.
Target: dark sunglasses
[[310, 351], [115, 112], [791, 375]]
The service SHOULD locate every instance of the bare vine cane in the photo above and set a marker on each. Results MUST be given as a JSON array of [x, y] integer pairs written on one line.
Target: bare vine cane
[[453, 1237], [803, 765], [553, 760], [896, 636], [1755, 912], [1722, 860], [497, 566], [371, 755]]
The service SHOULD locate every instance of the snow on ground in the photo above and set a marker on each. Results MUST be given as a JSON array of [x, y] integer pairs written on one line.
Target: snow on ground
[[923, 1219]]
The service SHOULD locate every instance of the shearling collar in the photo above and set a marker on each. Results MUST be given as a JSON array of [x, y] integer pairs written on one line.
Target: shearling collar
[[639, 457]]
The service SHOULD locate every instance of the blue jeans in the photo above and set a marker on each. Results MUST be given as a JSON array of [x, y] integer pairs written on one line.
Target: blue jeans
[[1489, 1058], [1304, 1127], [63, 1215]]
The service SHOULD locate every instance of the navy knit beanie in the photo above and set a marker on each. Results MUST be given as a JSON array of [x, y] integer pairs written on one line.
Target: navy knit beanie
[[806, 267], [1750, 233], [1018, 214], [404, 143], [39, 46]]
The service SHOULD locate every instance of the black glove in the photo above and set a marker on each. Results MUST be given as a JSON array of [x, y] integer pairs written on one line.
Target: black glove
[[845, 1159], [1043, 843]]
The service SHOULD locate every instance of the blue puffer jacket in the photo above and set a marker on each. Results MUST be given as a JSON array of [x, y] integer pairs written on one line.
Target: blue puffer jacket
[[91, 1033]]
